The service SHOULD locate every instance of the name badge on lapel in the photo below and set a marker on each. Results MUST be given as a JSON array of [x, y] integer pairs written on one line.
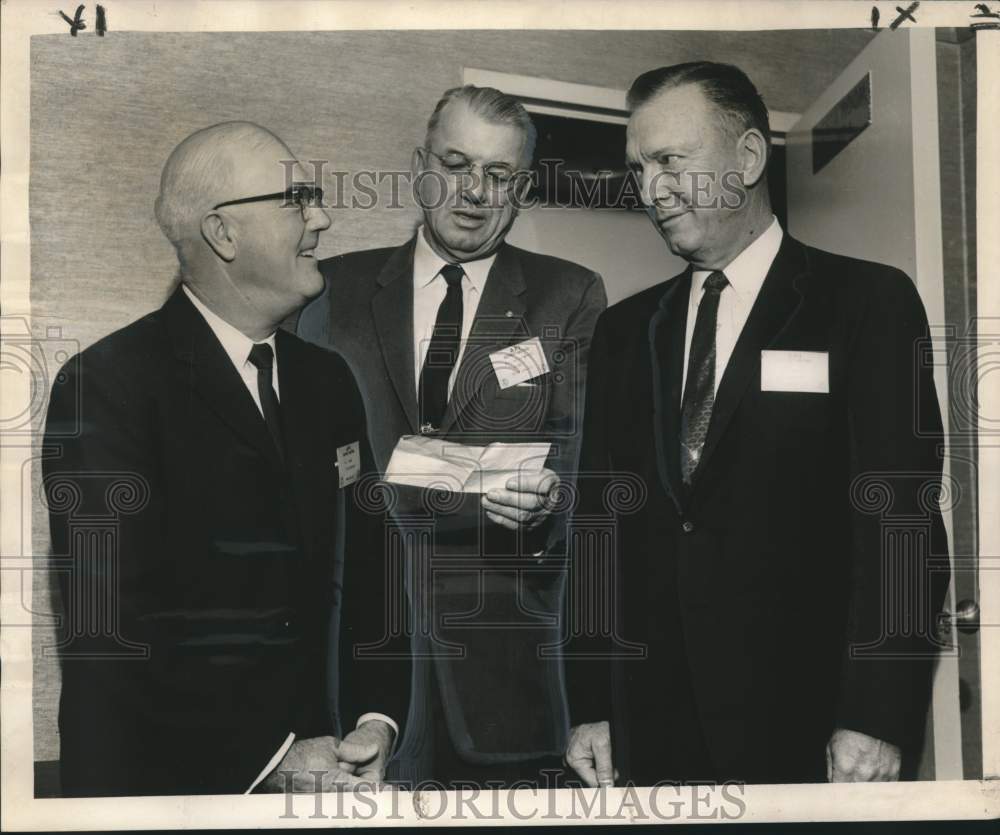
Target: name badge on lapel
[[805, 371], [348, 463], [520, 362]]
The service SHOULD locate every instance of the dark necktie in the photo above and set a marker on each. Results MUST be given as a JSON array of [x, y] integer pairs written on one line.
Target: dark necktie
[[262, 358], [442, 353], [699, 391]]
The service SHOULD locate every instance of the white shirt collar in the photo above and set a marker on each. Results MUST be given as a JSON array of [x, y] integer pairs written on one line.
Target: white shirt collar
[[235, 343], [427, 264], [747, 271]]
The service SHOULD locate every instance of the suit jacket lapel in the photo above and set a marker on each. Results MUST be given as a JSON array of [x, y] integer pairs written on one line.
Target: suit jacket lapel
[[392, 308], [666, 340], [778, 301], [212, 375], [499, 321]]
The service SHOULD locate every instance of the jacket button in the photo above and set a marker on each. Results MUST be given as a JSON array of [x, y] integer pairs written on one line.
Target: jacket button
[[687, 527]]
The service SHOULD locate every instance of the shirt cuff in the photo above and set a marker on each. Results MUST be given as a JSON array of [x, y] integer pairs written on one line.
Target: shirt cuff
[[272, 764], [365, 717]]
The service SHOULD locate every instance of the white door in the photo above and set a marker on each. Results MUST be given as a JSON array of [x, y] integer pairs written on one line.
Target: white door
[[879, 198], [620, 245]]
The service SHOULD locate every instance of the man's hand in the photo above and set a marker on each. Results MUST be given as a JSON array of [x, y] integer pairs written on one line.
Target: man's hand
[[853, 757], [365, 751], [525, 502], [588, 753], [304, 757]]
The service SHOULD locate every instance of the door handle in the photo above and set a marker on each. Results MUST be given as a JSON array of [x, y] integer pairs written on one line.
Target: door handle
[[965, 617]]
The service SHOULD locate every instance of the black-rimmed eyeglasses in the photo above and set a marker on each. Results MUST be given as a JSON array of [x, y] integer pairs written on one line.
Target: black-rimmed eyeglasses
[[302, 196]]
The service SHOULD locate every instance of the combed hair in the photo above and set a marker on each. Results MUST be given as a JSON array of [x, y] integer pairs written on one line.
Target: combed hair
[[198, 174], [492, 105], [739, 104]]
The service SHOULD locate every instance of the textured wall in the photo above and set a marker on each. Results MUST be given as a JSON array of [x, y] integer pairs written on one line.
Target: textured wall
[[106, 112]]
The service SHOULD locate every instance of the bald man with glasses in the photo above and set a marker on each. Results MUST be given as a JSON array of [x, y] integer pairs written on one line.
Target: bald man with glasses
[[230, 455]]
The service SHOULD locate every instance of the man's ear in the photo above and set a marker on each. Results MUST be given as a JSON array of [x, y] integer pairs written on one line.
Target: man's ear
[[418, 162], [752, 156], [426, 194], [218, 235]]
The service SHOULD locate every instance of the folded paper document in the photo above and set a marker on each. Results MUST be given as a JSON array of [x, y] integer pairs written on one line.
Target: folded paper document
[[422, 461]]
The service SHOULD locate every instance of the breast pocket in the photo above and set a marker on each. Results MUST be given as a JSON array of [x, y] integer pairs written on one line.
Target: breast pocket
[[797, 423], [518, 407], [799, 391]]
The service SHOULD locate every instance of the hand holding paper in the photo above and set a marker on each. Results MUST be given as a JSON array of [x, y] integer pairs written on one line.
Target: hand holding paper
[[525, 501], [423, 461]]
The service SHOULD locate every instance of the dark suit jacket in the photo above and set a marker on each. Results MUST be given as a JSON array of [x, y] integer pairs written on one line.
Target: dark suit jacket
[[201, 570], [783, 587], [503, 702]]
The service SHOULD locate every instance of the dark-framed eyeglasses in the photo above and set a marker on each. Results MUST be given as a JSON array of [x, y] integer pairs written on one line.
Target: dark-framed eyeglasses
[[302, 196], [498, 176]]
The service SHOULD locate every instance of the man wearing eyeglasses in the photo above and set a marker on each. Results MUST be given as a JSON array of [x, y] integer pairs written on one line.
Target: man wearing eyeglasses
[[224, 456], [424, 325]]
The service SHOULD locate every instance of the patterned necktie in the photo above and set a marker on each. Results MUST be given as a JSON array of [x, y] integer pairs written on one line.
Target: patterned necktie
[[699, 392], [442, 353], [262, 358]]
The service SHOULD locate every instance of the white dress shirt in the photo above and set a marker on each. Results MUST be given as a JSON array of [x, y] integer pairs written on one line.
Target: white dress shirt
[[429, 289], [746, 274], [237, 346]]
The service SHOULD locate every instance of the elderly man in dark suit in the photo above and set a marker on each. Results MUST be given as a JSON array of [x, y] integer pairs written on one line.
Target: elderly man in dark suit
[[196, 656], [771, 625], [421, 325]]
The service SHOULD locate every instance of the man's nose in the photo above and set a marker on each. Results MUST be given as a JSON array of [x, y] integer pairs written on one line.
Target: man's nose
[[659, 186], [473, 186], [317, 219]]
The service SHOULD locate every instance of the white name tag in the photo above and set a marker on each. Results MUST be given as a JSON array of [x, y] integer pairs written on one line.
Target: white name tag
[[348, 463], [806, 371], [520, 362]]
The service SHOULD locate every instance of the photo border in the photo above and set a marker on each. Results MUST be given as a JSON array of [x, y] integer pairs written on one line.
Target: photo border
[[21, 19]]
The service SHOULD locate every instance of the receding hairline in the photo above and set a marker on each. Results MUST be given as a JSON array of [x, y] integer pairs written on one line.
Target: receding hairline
[[466, 97], [485, 116], [738, 103], [721, 116]]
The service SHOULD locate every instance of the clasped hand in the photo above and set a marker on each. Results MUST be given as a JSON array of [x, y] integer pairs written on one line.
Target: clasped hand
[[326, 764], [854, 757]]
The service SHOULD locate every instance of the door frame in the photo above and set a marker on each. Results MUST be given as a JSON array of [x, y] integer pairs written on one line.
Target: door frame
[[988, 388]]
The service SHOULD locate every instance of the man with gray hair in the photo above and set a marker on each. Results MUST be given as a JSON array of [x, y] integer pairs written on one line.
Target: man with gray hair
[[229, 451], [427, 326]]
